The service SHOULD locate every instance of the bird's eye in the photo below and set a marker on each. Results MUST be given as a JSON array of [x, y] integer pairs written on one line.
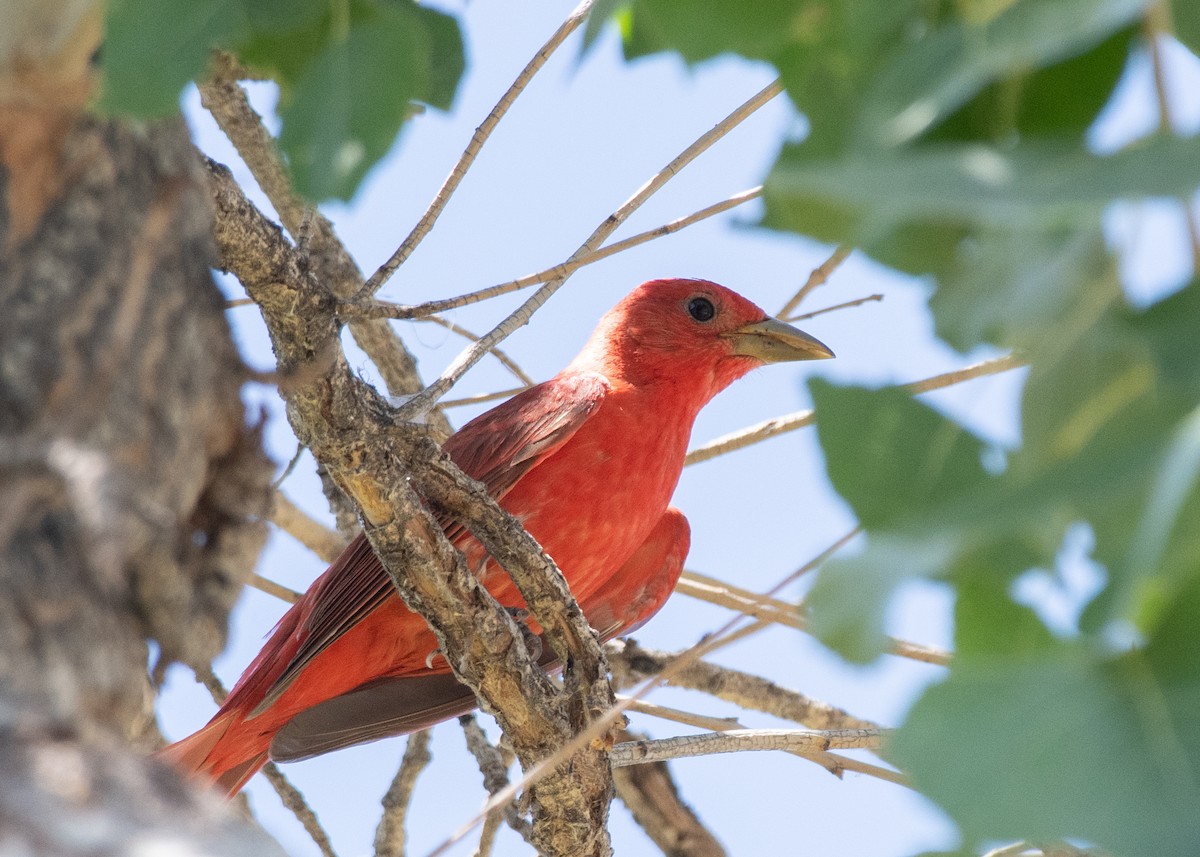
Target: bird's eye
[[701, 309]]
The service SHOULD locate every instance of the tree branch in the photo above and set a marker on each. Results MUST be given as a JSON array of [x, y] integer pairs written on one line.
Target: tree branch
[[650, 793], [380, 463], [371, 286], [389, 835], [470, 356], [384, 309], [745, 740], [776, 426], [323, 251]]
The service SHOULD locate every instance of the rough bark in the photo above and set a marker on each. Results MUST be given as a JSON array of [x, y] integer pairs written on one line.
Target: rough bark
[[390, 469], [132, 492]]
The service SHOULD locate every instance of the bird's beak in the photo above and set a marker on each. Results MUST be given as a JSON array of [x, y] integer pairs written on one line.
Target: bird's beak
[[773, 341]]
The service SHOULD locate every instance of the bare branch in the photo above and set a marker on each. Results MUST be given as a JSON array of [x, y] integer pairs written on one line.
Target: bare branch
[[744, 740], [506, 361], [652, 797], [324, 253], [470, 356], [790, 422], [389, 834], [844, 305], [740, 688], [383, 309], [577, 17], [494, 768], [773, 610], [481, 398], [314, 535], [381, 463], [292, 798], [270, 587], [602, 724], [818, 277]]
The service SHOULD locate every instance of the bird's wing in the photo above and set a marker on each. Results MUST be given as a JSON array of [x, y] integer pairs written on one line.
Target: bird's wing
[[498, 448], [399, 705]]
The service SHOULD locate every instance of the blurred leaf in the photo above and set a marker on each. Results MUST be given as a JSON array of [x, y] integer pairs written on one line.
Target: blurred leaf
[[1005, 286], [892, 458], [602, 11], [925, 80], [1066, 746], [848, 603], [284, 53], [1185, 15], [862, 197], [988, 624], [701, 30], [350, 102], [1060, 100], [447, 58], [153, 48], [284, 16]]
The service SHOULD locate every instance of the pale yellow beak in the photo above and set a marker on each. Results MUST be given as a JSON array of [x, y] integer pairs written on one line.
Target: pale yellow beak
[[773, 341]]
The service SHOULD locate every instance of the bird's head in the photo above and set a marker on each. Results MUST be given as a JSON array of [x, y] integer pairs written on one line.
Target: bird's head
[[691, 333]]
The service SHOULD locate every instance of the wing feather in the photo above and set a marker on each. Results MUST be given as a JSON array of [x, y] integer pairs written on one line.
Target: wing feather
[[497, 448]]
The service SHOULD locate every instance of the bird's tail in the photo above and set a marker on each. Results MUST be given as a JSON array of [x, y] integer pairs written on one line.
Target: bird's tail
[[201, 755]]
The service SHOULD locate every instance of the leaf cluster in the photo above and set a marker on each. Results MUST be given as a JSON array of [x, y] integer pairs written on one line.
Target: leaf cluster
[[952, 140], [350, 72]]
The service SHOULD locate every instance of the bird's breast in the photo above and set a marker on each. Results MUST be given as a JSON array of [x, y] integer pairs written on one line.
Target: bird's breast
[[594, 501]]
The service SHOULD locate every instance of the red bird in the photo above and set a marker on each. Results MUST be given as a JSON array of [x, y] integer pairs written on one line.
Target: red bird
[[587, 461]]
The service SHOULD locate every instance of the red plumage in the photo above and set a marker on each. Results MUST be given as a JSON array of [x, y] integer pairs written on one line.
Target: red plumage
[[587, 461]]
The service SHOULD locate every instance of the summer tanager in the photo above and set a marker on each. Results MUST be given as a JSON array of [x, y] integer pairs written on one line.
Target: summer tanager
[[587, 461]]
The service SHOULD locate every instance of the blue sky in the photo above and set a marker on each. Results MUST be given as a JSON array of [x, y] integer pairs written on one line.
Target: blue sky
[[584, 136]]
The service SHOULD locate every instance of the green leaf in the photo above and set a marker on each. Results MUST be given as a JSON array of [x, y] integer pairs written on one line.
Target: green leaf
[[1185, 14], [602, 11], [350, 101], [926, 79], [1067, 746], [892, 458], [701, 30], [1060, 100], [848, 603], [862, 197], [1006, 286], [152, 49]]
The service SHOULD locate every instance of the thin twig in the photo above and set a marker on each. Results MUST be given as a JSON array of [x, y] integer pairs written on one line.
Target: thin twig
[[291, 466], [390, 835], [740, 688], [835, 308], [384, 309], [470, 356], [651, 795], [291, 797], [790, 422], [481, 398], [677, 715], [494, 768], [818, 277], [834, 763], [506, 361], [602, 723], [744, 740], [314, 535], [409, 244], [773, 610], [325, 255], [270, 587]]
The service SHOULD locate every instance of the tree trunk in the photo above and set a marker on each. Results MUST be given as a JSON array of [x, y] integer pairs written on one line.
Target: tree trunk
[[132, 493]]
